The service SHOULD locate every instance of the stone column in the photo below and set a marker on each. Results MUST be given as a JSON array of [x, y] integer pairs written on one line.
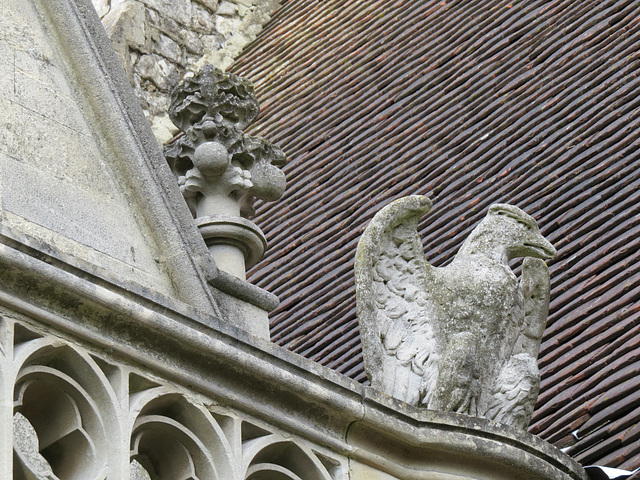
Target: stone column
[[220, 170]]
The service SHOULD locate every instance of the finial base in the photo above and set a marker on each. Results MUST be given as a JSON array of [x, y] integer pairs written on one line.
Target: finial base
[[235, 243]]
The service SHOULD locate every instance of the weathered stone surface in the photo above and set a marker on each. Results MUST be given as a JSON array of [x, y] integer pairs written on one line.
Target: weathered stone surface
[[164, 130], [168, 47], [126, 26], [220, 170], [155, 379], [25, 444], [102, 7], [158, 70], [227, 26], [47, 187], [227, 9], [462, 338], [210, 4], [202, 21], [103, 379], [137, 472], [178, 10], [159, 41], [75, 156]]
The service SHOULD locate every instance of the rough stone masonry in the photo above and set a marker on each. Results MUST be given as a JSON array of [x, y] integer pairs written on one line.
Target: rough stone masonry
[[158, 41]]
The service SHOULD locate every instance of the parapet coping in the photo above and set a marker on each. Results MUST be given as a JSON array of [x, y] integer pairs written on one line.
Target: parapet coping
[[255, 376]]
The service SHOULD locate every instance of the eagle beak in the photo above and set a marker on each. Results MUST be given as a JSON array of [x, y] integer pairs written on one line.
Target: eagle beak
[[540, 248]]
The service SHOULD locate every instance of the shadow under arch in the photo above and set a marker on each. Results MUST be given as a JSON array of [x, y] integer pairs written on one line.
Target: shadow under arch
[[275, 458], [64, 413], [173, 438]]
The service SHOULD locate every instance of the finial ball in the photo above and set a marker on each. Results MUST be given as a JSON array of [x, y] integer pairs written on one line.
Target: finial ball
[[211, 158]]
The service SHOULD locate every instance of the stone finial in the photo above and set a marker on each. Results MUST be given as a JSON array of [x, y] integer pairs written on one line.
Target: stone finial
[[461, 338], [221, 170]]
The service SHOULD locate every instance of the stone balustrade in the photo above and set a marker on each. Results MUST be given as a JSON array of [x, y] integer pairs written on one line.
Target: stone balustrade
[[97, 382], [79, 414]]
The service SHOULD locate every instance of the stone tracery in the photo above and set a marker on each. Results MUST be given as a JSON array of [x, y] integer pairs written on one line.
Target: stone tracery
[[71, 429], [174, 439], [72, 420], [275, 457]]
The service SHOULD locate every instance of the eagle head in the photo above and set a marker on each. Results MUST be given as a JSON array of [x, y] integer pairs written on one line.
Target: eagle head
[[519, 232], [507, 232]]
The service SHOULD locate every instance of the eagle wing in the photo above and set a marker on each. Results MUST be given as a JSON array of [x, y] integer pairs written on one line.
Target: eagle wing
[[392, 304], [516, 388], [535, 286]]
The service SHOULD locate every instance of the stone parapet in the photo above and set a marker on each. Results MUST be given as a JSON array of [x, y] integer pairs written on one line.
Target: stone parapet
[[133, 379]]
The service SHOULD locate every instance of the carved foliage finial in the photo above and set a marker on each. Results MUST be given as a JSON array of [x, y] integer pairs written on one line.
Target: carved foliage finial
[[220, 169]]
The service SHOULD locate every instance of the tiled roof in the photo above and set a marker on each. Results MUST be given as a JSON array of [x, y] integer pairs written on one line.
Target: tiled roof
[[534, 103]]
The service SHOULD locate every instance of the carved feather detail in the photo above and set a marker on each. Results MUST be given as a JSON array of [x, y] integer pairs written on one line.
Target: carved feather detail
[[391, 273], [460, 338]]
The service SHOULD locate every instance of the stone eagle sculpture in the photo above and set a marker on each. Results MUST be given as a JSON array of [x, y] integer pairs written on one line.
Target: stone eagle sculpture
[[461, 338]]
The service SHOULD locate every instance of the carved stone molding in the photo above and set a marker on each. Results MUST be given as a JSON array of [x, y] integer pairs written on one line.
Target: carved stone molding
[[148, 378], [79, 416]]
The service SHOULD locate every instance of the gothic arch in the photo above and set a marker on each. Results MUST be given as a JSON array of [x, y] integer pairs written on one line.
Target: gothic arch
[[175, 439], [275, 458], [64, 413]]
